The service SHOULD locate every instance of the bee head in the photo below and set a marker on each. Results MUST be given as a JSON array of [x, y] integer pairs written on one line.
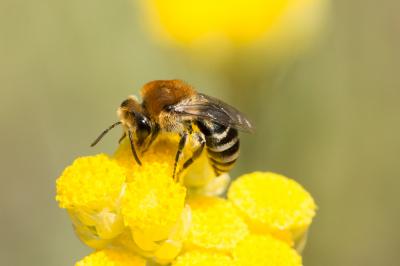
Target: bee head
[[133, 118], [138, 127]]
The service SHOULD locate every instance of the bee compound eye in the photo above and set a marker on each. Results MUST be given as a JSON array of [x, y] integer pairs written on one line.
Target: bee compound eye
[[143, 122], [143, 126]]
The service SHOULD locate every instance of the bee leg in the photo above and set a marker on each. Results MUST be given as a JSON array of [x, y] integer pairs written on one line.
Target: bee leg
[[122, 138], [181, 145], [199, 138], [153, 137]]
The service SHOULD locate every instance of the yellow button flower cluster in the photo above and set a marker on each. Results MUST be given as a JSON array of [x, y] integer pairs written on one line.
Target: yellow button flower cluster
[[133, 215]]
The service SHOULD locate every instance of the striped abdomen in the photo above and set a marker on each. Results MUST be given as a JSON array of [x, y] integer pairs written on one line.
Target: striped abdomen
[[222, 144]]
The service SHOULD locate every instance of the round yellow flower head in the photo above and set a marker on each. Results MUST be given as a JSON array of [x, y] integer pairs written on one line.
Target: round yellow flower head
[[92, 182], [153, 202], [264, 250], [202, 258], [90, 189], [271, 203], [111, 257], [215, 224]]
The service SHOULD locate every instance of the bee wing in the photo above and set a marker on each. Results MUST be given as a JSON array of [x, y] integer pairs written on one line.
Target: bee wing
[[212, 109]]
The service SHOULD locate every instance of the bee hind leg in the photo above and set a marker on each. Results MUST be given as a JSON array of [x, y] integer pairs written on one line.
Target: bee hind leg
[[201, 142]]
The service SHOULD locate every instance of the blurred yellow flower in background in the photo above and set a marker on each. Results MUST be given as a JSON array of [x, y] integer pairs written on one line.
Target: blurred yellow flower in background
[[241, 21], [221, 27], [132, 214]]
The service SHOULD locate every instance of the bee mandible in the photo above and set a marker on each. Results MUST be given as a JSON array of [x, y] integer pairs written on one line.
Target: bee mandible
[[174, 106]]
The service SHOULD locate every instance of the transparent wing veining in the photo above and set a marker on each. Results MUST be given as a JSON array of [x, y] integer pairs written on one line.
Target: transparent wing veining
[[210, 108]]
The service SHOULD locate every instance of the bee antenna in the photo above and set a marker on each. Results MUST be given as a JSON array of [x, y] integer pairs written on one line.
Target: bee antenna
[[104, 132], [133, 148]]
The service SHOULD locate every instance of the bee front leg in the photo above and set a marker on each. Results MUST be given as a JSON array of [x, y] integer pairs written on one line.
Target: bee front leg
[[181, 145]]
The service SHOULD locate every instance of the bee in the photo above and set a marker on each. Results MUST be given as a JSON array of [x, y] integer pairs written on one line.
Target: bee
[[174, 106]]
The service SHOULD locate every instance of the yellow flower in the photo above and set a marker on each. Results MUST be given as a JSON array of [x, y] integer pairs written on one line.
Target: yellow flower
[[92, 182], [126, 211], [90, 189], [152, 200], [188, 21], [271, 203], [211, 26], [111, 257], [264, 250], [215, 225], [153, 206]]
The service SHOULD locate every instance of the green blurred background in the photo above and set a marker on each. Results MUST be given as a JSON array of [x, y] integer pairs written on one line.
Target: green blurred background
[[329, 119]]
